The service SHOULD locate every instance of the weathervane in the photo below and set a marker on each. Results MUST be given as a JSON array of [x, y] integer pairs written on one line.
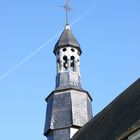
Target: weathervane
[[67, 8]]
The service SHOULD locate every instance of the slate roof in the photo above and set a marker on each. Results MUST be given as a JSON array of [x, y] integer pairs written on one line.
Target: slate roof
[[67, 39], [118, 120]]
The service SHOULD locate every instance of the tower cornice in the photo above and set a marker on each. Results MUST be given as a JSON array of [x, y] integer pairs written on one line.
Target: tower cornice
[[68, 89]]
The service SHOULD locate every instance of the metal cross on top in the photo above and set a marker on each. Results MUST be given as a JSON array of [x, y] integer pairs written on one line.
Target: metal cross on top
[[67, 8]]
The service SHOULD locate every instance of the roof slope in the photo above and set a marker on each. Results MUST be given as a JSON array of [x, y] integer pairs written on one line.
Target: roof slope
[[118, 120], [67, 39]]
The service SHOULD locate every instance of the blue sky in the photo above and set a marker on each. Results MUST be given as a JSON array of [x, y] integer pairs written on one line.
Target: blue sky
[[109, 34]]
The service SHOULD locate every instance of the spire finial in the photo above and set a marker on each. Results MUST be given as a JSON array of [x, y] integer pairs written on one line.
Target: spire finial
[[67, 11], [67, 8]]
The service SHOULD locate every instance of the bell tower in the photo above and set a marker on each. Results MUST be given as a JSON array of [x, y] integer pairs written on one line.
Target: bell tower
[[67, 51], [68, 105]]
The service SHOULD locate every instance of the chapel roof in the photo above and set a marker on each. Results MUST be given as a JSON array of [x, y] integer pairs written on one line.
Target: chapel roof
[[118, 120]]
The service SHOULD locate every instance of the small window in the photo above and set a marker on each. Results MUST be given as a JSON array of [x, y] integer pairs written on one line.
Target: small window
[[65, 64], [65, 58], [72, 50], [64, 49], [72, 63], [72, 57]]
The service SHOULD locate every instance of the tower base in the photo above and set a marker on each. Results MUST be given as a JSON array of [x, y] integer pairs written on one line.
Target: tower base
[[62, 134]]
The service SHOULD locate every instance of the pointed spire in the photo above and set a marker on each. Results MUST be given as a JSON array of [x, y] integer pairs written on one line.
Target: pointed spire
[[67, 39]]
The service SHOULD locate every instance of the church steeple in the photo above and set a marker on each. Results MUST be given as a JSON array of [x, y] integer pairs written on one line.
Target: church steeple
[[68, 51], [69, 105]]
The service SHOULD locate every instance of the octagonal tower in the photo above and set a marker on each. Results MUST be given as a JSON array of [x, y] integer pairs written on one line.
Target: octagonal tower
[[69, 105]]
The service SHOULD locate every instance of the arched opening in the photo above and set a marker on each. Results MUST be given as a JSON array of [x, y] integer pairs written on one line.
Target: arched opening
[[72, 60], [65, 64]]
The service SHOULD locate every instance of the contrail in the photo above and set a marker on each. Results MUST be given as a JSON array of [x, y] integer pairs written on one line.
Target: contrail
[[47, 42], [28, 57], [85, 13]]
